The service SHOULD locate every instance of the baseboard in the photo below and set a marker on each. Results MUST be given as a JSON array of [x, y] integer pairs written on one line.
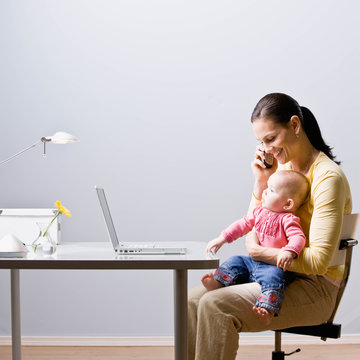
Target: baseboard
[[245, 340], [90, 341]]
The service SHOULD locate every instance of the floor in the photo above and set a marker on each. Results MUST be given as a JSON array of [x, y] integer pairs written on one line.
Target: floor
[[313, 352]]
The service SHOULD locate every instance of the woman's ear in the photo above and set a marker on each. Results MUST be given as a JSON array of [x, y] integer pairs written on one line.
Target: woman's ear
[[289, 205], [295, 123]]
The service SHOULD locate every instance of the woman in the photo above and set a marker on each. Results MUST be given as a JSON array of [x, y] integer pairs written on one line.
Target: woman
[[291, 134]]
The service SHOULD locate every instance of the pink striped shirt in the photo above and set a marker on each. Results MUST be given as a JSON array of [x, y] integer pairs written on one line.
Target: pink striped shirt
[[274, 230]]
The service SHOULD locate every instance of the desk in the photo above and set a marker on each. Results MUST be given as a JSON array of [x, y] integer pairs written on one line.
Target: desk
[[101, 256]]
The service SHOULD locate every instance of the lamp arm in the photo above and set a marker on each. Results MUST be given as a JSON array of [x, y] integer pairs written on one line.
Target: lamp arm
[[22, 151]]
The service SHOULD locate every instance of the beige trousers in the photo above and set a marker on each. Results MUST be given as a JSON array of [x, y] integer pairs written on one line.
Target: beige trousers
[[216, 317]]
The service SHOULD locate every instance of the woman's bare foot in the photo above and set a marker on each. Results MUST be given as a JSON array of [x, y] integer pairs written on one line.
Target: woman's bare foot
[[265, 315], [210, 282]]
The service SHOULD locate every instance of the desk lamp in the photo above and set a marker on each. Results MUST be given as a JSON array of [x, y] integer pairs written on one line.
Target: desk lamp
[[59, 137], [10, 245]]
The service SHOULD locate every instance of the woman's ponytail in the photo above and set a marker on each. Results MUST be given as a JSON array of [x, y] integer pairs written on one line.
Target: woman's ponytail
[[312, 131]]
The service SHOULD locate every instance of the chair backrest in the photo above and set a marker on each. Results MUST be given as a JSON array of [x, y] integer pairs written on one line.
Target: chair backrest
[[344, 253], [342, 257]]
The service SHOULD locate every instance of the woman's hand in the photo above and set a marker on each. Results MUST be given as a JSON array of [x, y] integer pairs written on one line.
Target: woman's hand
[[261, 172], [215, 244]]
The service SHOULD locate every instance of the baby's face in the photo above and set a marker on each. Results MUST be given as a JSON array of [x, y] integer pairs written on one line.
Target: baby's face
[[276, 195]]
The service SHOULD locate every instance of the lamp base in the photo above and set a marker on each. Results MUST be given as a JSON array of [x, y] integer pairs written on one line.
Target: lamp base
[[12, 247]]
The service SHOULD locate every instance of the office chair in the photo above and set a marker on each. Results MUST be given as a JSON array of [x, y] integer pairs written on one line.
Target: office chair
[[328, 329]]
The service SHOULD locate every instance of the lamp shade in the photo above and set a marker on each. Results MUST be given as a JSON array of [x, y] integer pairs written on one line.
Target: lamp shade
[[62, 137]]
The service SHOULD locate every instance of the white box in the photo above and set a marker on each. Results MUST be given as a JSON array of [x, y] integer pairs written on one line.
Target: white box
[[23, 223]]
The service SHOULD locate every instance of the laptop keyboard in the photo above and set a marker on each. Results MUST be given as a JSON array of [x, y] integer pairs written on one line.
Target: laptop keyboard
[[138, 246]]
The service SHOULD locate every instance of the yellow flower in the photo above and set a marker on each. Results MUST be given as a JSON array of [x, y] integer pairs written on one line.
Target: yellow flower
[[62, 209]]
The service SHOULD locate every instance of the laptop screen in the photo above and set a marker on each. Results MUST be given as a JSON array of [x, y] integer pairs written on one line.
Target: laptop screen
[[107, 216]]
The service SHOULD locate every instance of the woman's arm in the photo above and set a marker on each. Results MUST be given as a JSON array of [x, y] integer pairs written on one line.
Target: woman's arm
[[261, 172], [328, 197], [258, 252]]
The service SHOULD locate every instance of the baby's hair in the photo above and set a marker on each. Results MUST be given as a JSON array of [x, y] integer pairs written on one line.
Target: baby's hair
[[297, 184]]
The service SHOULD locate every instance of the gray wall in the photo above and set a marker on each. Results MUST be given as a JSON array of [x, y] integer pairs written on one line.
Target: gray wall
[[160, 94]]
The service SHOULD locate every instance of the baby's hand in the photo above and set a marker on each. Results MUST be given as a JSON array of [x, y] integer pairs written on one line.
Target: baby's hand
[[285, 258], [215, 244]]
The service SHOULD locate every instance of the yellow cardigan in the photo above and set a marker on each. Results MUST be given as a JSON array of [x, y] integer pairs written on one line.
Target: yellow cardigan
[[321, 217]]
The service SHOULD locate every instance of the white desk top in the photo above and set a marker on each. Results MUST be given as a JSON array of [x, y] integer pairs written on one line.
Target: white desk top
[[100, 255]]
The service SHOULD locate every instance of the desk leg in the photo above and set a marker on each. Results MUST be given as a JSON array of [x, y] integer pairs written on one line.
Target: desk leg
[[15, 314], [181, 314]]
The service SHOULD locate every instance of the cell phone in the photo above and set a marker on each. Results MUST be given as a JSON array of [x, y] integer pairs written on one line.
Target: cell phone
[[268, 161]]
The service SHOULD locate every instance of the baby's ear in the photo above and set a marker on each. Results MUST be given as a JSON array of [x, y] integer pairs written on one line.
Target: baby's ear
[[289, 205]]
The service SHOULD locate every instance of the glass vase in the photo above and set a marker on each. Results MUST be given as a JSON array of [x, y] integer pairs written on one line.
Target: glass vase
[[44, 245]]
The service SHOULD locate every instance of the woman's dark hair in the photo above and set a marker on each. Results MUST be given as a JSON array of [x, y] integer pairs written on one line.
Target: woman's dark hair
[[281, 107]]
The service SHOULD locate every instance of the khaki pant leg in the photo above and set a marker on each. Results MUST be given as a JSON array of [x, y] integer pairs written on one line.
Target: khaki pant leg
[[309, 300], [214, 327], [193, 303], [216, 317]]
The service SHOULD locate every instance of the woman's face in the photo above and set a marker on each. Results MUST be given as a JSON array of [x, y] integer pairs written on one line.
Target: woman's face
[[276, 138]]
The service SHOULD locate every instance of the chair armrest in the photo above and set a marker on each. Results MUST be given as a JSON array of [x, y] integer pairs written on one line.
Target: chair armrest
[[346, 243]]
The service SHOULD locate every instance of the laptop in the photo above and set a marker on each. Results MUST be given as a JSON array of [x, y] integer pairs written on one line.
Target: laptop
[[122, 248]]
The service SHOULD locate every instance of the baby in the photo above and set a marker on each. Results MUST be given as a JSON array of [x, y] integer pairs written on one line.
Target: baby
[[276, 227]]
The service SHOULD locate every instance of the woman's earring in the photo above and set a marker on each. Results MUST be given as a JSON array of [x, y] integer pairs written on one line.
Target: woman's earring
[[297, 136]]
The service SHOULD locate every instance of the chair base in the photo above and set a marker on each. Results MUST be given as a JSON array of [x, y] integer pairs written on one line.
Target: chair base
[[327, 330], [280, 355]]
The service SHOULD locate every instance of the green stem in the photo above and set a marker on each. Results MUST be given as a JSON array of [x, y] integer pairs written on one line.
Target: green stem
[[51, 223]]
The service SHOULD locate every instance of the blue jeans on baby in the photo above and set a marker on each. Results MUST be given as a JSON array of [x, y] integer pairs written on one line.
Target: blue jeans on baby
[[243, 269]]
